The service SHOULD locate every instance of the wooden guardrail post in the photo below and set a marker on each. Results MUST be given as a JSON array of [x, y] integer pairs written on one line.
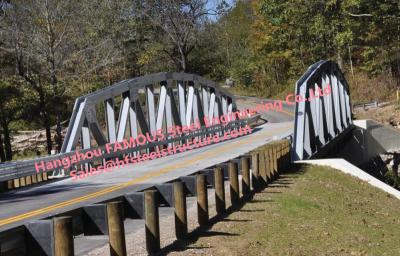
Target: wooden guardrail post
[[10, 184], [287, 158], [181, 228], [268, 164], [28, 180], [39, 177], [16, 183], [274, 162], [261, 165], [255, 172], [34, 178], [279, 154], [116, 230], [22, 182], [271, 162], [219, 190], [284, 154], [270, 155], [63, 236], [234, 183], [151, 222], [202, 200], [244, 161], [277, 161]]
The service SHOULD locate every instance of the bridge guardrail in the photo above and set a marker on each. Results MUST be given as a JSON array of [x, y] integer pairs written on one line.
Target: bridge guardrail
[[23, 173], [366, 105], [54, 235]]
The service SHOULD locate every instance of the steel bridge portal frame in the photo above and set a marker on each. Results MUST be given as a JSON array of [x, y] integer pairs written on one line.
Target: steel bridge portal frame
[[322, 119]]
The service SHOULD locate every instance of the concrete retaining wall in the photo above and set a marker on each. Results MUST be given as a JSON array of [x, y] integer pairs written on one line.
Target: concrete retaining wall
[[368, 140]]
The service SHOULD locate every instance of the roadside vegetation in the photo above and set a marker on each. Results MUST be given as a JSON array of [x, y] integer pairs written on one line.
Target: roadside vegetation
[[52, 51], [314, 211], [388, 114]]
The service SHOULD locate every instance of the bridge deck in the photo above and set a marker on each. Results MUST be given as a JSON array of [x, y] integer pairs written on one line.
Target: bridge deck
[[38, 202]]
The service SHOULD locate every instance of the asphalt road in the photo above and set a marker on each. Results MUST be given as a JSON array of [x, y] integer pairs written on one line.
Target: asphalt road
[[284, 115], [21, 206]]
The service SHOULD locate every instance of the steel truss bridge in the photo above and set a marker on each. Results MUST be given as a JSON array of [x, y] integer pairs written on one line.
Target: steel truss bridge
[[324, 119], [148, 104]]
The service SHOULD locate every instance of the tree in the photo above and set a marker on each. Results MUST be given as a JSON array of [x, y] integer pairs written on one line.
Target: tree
[[180, 22], [9, 108], [39, 34], [234, 28], [293, 34], [9, 94]]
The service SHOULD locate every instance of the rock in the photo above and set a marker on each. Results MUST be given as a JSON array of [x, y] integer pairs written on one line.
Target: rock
[[229, 82]]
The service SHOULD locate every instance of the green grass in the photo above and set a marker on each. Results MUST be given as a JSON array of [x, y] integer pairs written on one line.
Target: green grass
[[242, 91], [317, 211]]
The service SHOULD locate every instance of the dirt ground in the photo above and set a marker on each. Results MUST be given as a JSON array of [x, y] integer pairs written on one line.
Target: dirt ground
[[389, 115]]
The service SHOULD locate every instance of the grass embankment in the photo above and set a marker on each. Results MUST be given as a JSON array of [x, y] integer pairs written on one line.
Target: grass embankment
[[317, 211]]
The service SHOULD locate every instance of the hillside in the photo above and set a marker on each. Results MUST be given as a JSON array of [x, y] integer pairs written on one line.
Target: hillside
[[316, 211]]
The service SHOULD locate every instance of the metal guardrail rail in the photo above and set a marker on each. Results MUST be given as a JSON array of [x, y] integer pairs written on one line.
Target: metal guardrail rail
[[373, 104], [27, 167]]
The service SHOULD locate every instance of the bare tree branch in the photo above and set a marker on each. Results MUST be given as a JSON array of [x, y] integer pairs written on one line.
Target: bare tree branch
[[7, 50], [360, 15]]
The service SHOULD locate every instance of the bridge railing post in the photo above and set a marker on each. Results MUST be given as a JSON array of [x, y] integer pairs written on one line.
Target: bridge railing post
[[152, 224], [245, 168], [202, 200], [234, 183], [268, 160], [63, 236], [262, 167], [219, 190], [116, 230], [255, 171], [181, 228]]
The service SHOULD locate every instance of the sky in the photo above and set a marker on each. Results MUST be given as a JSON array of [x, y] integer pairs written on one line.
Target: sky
[[212, 4]]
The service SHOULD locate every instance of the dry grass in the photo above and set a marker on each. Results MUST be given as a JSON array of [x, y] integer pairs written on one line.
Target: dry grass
[[386, 115], [366, 89], [363, 88], [318, 211]]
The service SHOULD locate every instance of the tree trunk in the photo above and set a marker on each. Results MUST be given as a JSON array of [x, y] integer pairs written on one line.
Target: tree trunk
[[7, 141], [183, 61], [42, 101], [2, 155], [58, 130], [45, 120], [351, 62], [340, 59]]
